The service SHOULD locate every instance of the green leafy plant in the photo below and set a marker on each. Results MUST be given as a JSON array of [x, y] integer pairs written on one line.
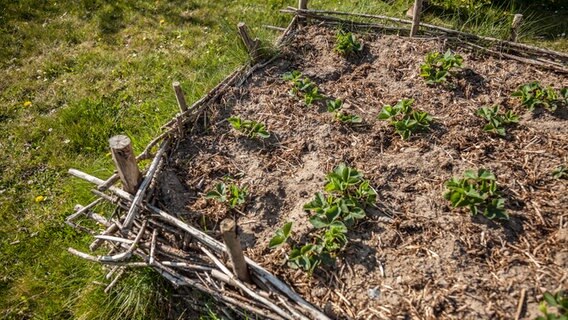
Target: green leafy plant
[[233, 196], [560, 172], [281, 236], [558, 301], [250, 128], [308, 257], [437, 66], [334, 106], [533, 95], [477, 190], [496, 120], [564, 95], [404, 119], [346, 43], [303, 86]]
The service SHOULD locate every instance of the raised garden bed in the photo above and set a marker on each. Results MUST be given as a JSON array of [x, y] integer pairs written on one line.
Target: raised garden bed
[[413, 255]]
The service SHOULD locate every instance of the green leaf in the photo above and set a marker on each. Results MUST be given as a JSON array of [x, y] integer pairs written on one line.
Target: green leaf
[[281, 236]]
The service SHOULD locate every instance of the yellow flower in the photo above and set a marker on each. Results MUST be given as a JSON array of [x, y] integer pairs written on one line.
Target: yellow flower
[[162, 21], [39, 199], [27, 104]]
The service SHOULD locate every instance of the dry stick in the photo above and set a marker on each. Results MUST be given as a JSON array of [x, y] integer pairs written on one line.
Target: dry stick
[[114, 281], [96, 217], [110, 230], [213, 244], [114, 239], [515, 26], [143, 186], [82, 210], [252, 45], [524, 60], [111, 272], [128, 253], [185, 265], [153, 246], [179, 96], [234, 249], [520, 305], [416, 17], [431, 26], [246, 289], [125, 162]]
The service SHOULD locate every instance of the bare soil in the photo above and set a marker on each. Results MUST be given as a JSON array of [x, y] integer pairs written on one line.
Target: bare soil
[[414, 256]]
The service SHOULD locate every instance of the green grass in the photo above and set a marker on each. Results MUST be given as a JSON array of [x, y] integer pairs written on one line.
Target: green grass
[[74, 73]]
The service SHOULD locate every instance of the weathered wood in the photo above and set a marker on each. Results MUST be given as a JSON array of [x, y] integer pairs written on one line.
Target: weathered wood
[[516, 26], [416, 17], [133, 211], [213, 244], [81, 210], [110, 230], [252, 45], [125, 162], [234, 249], [179, 96], [303, 4]]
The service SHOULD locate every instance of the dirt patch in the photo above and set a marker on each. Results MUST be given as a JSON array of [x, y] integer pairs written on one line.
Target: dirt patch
[[413, 256]]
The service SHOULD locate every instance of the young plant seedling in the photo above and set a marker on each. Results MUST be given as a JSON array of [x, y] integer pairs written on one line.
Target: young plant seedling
[[477, 190], [250, 128], [308, 257], [232, 196], [558, 301], [281, 236], [404, 119], [534, 95], [496, 120], [334, 106], [346, 43], [303, 86], [438, 66], [561, 172], [564, 95]]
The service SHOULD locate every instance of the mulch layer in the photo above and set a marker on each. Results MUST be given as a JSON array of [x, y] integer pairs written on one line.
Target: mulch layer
[[414, 256]]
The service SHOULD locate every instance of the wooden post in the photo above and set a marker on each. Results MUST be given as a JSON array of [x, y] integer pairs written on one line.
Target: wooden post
[[416, 17], [125, 162], [302, 5], [515, 26], [235, 250], [251, 45], [180, 97]]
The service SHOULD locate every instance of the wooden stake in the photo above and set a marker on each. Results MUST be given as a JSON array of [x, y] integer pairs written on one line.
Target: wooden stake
[[179, 96], [251, 45], [125, 162], [416, 17], [303, 4], [515, 26], [234, 250]]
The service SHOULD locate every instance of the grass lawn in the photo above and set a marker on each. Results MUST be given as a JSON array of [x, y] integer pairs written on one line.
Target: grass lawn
[[74, 73]]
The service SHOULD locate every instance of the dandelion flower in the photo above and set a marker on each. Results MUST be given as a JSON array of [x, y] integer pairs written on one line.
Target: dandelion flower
[[39, 199], [162, 21], [27, 104]]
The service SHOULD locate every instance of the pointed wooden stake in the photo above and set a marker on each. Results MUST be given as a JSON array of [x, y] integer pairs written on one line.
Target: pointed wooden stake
[[253, 46], [235, 250], [180, 97], [123, 156], [516, 26], [416, 17]]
